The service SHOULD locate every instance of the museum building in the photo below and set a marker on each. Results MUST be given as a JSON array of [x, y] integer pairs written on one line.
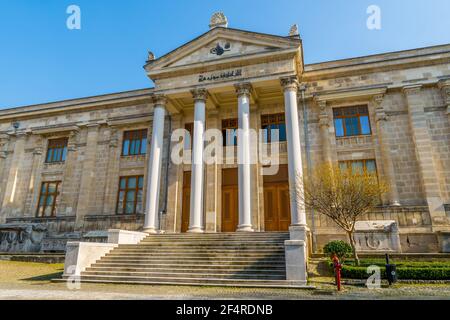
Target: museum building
[[71, 170]]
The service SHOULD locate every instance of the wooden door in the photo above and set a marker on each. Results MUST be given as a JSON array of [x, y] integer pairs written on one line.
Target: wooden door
[[230, 200], [277, 210], [186, 207]]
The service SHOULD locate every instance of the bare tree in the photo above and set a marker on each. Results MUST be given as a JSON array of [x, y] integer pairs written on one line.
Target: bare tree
[[343, 195]]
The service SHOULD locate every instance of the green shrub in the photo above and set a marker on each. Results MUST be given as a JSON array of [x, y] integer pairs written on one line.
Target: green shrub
[[438, 273], [339, 248]]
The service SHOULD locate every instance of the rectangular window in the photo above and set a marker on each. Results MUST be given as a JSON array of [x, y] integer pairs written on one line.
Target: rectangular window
[[134, 142], [229, 132], [358, 166], [351, 121], [129, 200], [56, 150], [273, 125], [47, 199]]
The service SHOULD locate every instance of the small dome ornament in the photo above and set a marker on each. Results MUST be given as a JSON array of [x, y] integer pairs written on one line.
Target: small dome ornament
[[218, 19], [150, 56], [293, 32]]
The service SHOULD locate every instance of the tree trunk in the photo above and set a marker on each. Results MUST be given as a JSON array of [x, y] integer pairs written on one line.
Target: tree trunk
[[353, 244]]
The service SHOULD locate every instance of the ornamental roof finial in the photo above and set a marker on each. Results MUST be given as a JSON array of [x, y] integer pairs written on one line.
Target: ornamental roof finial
[[218, 19], [293, 32]]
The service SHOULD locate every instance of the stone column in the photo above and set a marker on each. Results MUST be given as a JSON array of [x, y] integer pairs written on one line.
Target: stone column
[[324, 123], [424, 154], [87, 182], [290, 85], [154, 166], [197, 171], [445, 87], [244, 173], [388, 165]]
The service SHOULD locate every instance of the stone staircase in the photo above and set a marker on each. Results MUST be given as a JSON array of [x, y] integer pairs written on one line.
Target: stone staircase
[[220, 259]]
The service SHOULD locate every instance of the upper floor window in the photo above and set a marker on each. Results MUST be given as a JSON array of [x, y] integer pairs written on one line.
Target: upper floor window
[[47, 199], [272, 122], [129, 200], [359, 166], [229, 132], [56, 150], [351, 121], [134, 142]]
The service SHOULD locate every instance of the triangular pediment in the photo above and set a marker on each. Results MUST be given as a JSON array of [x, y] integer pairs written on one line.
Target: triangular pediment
[[223, 43]]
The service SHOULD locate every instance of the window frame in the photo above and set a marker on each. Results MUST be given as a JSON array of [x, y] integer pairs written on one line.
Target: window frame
[[358, 114], [57, 144], [189, 127], [275, 119], [349, 163], [230, 124], [136, 190], [47, 194], [129, 136]]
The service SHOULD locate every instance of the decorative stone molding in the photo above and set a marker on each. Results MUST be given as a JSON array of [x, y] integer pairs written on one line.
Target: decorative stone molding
[[160, 100], [114, 138], [218, 19], [380, 113], [199, 94], [293, 32], [73, 140], [244, 88], [324, 120], [413, 89], [290, 83], [444, 85]]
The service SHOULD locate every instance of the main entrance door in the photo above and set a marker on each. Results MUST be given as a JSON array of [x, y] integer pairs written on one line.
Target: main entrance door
[[186, 202], [277, 211], [230, 200]]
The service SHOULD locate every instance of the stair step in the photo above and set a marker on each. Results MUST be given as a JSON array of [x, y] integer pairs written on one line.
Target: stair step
[[273, 276], [183, 269]]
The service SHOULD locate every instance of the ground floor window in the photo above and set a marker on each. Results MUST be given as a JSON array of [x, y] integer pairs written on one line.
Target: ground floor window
[[129, 200], [359, 165], [47, 199]]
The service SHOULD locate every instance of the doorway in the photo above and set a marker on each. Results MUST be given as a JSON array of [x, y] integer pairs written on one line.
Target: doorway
[[277, 211]]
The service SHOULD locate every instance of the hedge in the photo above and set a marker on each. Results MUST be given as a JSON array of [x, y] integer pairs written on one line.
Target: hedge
[[352, 272]]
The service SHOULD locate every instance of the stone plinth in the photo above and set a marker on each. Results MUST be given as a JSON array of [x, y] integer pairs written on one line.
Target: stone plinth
[[25, 237], [377, 236]]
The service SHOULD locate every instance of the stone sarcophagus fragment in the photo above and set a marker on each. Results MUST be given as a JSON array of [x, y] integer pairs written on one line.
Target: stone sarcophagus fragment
[[22, 237], [377, 236]]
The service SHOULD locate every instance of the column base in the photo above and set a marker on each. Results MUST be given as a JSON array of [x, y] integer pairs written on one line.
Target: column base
[[196, 230], [245, 228], [150, 230]]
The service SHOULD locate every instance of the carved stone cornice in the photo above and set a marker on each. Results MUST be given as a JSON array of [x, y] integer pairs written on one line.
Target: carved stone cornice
[[199, 94], [290, 83], [413, 89], [244, 88]]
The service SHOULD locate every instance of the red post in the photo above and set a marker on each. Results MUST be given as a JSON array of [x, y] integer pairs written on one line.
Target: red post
[[337, 271]]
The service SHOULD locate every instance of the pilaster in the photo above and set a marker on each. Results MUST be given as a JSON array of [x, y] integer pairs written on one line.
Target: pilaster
[[388, 166], [70, 186], [87, 182], [424, 154]]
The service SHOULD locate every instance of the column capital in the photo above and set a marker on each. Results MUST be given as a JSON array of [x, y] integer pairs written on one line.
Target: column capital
[[290, 83], [412, 89], [199, 94], [378, 99], [444, 85], [323, 115], [244, 88], [159, 99]]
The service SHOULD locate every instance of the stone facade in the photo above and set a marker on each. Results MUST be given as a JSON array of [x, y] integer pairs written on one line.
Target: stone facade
[[407, 95]]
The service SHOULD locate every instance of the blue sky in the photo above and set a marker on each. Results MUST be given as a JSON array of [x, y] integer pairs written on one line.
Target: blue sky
[[41, 60]]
